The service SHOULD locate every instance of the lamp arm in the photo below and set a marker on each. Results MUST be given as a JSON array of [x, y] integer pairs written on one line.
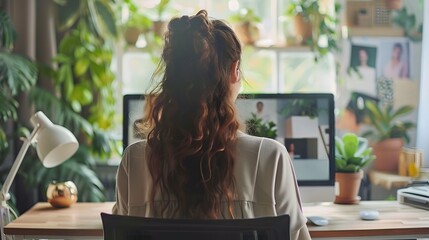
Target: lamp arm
[[4, 194]]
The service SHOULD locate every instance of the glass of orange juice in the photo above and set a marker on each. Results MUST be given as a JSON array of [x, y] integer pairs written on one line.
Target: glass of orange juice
[[414, 160]]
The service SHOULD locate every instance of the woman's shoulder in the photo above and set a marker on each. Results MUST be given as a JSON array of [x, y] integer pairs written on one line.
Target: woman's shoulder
[[136, 147], [259, 142]]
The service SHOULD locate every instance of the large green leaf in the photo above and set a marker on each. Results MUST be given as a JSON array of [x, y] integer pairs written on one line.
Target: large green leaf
[[402, 111], [7, 31], [49, 104], [105, 14], [351, 144], [352, 153], [81, 67], [68, 13], [8, 107], [385, 123], [4, 145], [16, 72]]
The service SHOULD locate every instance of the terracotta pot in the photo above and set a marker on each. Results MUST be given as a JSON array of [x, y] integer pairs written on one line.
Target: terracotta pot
[[302, 28], [393, 4], [347, 187], [247, 32], [387, 154], [159, 27], [131, 35]]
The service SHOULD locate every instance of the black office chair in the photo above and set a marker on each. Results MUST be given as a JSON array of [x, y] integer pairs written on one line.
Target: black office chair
[[118, 227]]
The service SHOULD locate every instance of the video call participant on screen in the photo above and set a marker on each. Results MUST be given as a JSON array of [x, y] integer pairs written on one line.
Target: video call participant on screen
[[260, 113], [195, 163]]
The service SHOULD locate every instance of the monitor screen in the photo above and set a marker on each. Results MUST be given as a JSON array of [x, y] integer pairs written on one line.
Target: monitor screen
[[304, 123], [133, 107]]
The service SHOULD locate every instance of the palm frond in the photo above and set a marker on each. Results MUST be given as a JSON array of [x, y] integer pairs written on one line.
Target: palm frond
[[8, 107], [7, 31], [48, 103], [16, 72], [4, 145]]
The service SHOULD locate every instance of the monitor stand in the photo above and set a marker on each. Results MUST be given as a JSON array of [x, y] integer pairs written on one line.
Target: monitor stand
[[317, 193]]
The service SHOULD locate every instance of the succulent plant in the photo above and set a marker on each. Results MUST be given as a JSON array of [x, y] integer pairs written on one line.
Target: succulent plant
[[352, 153]]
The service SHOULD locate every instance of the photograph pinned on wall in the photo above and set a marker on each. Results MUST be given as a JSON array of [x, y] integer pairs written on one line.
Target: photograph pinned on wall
[[360, 84], [362, 74], [394, 60]]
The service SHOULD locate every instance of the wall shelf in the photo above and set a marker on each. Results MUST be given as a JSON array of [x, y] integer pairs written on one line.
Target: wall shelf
[[375, 31], [285, 48]]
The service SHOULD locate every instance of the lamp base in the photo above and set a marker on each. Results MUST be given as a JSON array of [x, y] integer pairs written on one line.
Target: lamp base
[[5, 218]]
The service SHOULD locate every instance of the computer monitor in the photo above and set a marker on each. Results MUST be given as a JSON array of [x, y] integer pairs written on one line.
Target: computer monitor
[[304, 123], [133, 112]]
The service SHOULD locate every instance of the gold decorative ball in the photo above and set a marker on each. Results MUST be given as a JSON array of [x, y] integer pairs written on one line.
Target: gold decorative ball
[[62, 194]]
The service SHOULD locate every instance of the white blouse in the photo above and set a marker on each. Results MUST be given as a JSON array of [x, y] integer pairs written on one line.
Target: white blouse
[[265, 183]]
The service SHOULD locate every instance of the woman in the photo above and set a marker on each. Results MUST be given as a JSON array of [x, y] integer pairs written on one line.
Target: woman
[[396, 68], [195, 163]]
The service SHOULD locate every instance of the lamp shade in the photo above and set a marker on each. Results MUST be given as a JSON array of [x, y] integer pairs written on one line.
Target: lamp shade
[[55, 143]]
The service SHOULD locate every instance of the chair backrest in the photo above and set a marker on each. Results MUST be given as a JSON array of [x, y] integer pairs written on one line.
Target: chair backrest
[[118, 227]]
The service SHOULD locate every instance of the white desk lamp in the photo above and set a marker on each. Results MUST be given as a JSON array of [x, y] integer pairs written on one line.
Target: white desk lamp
[[55, 144]]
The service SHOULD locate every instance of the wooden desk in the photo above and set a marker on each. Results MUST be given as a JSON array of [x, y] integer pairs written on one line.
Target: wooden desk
[[43, 221], [83, 220], [396, 221]]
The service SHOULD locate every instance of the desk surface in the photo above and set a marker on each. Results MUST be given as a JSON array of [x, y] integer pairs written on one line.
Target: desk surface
[[83, 219], [395, 219]]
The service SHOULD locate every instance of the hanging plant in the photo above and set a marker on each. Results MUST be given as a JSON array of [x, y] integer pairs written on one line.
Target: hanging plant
[[322, 27]]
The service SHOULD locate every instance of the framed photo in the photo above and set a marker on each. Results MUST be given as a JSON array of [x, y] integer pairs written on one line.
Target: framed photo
[[362, 69], [394, 60]]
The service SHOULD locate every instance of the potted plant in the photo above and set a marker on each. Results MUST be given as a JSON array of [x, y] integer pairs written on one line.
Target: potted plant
[[407, 21], [246, 26], [257, 127], [300, 116], [312, 24], [393, 4], [301, 107], [352, 153], [160, 25], [136, 24], [388, 134]]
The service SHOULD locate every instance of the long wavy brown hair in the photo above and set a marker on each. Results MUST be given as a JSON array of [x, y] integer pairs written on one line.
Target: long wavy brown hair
[[194, 125]]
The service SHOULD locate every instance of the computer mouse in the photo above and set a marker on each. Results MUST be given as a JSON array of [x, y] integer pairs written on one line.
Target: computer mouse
[[369, 214], [318, 220]]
